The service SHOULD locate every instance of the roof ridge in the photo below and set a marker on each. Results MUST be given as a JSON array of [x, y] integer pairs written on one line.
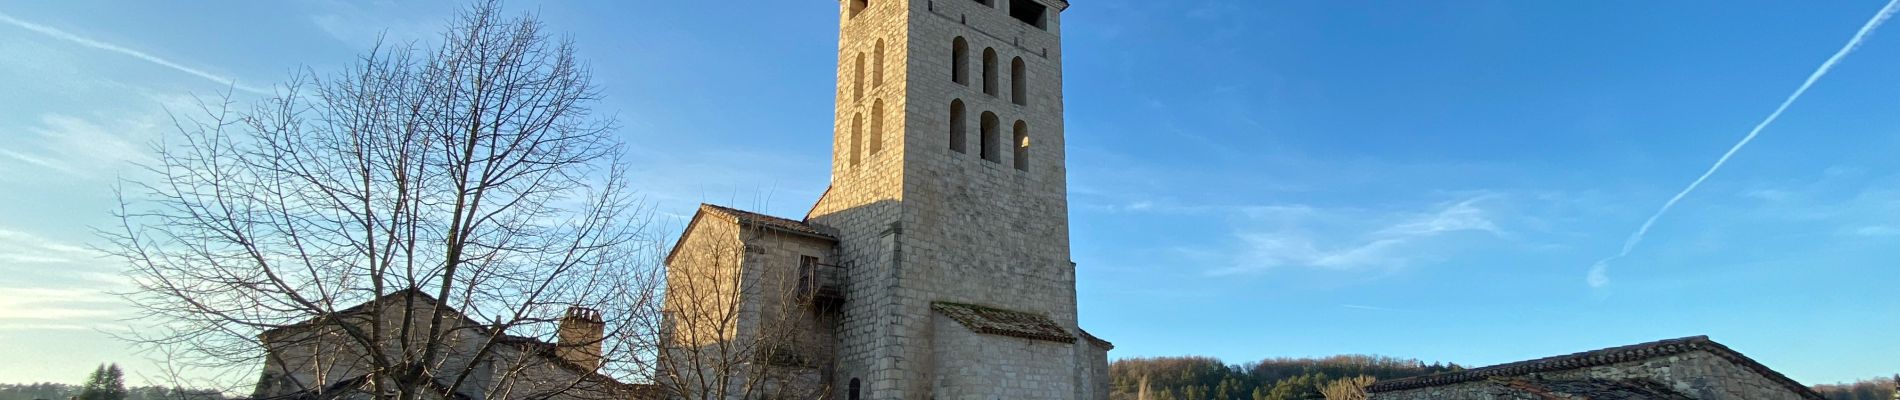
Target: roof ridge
[[788, 225], [1594, 358]]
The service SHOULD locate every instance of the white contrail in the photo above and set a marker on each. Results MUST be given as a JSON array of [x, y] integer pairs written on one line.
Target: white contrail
[[1599, 273], [83, 41]]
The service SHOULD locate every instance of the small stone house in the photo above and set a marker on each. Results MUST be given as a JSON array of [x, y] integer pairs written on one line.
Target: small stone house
[[314, 360], [1692, 368]]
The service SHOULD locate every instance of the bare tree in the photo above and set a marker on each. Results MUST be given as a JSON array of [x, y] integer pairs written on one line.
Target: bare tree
[[463, 193], [1347, 388], [749, 315]]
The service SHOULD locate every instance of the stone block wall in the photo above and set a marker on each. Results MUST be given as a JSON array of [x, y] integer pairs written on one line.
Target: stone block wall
[[1698, 374], [920, 223], [972, 366]]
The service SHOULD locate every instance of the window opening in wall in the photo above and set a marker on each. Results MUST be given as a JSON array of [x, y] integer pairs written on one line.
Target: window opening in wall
[[857, 131], [986, 2], [989, 140], [1018, 82], [957, 126], [1030, 12], [858, 6], [856, 392], [877, 65], [989, 71], [877, 126], [808, 281], [857, 80], [1022, 146], [960, 61]]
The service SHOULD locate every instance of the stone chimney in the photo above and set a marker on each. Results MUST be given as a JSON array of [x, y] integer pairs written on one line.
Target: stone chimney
[[581, 334]]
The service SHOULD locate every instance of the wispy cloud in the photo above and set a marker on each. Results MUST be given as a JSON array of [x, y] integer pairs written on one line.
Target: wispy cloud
[[62, 35], [64, 287], [82, 148], [1389, 241], [1877, 230], [17, 246], [1371, 308], [68, 306], [1599, 272], [27, 257]]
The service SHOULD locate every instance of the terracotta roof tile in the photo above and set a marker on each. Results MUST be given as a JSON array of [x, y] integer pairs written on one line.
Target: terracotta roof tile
[[995, 321], [1098, 342], [767, 221], [1613, 355]]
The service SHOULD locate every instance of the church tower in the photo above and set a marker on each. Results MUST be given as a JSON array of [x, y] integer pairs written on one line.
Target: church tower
[[949, 202]]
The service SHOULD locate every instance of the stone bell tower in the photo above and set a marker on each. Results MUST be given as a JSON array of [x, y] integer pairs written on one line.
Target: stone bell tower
[[949, 202]]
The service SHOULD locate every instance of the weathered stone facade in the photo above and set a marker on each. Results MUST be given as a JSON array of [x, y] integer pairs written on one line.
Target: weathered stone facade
[[315, 360], [1688, 368], [949, 186]]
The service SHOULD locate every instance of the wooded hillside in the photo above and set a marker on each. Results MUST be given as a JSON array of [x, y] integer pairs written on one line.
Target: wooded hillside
[[1207, 378]]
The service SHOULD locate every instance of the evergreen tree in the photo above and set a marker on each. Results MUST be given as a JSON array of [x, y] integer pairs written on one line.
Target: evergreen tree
[[106, 383]]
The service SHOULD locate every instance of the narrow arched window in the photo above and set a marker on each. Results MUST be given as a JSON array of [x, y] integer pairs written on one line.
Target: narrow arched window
[[960, 61], [1018, 82], [1022, 146], [856, 390], [989, 142], [858, 6], [877, 126], [857, 81], [857, 138], [989, 72], [956, 125], [877, 65]]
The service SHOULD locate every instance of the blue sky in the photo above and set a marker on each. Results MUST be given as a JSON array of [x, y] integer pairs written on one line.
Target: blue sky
[[1248, 179]]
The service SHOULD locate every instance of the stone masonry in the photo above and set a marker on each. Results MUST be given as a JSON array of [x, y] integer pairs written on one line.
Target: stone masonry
[[949, 186], [1688, 368]]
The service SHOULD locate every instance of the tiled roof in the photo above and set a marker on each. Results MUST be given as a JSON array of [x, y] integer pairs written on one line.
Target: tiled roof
[[996, 321], [767, 221], [1613, 355], [422, 299], [1593, 389], [359, 385], [1098, 342], [529, 345]]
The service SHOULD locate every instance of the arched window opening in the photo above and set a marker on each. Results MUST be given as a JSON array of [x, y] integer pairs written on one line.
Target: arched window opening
[[877, 65], [960, 61], [1018, 82], [877, 126], [857, 80], [1022, 146], [956, 126], [856, 389], [989, 142], [989, 71], [858, 6], [857, 138]]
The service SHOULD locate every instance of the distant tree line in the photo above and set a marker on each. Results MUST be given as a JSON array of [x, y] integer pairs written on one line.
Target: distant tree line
[[106, 383], [60, 391], [1208, 378], [1870, 389]]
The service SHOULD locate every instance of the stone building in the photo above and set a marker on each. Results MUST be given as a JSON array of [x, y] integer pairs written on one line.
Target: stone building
[[1693, 368], [937, 264], [317, 359]]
